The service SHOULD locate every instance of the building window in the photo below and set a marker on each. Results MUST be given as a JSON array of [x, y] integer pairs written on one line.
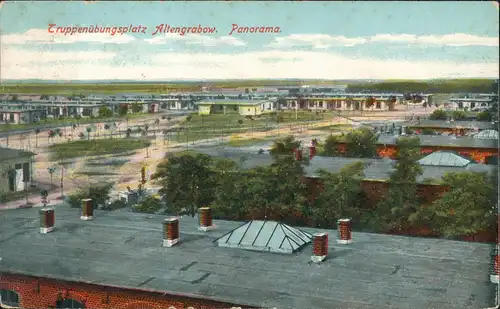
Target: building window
[[69, 303], [9, 298]]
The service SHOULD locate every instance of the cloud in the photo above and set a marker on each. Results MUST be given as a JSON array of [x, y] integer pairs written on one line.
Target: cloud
[[456, 39], [42, 36], [271, 64], [12, 58], [196, 39], [319, 41], [323, 41]]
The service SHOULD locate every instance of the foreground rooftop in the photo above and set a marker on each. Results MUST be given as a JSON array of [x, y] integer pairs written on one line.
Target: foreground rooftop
[[125, 249]]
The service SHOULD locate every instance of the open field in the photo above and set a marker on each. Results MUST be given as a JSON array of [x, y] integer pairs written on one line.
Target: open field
[[236, 120], [106, 87], [478, 85], [94, 147], [71, 120], [239, 142], [334, 127]]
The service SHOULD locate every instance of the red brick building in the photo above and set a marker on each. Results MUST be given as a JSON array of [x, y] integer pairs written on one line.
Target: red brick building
[[119, 260], [24, 291], [480, 150]]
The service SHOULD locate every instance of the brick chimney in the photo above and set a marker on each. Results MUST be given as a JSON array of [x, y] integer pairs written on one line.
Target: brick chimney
[[170, 232], [320, 247], [87, 209], [205, 215], [312, 149], [47, 220], [344, 231], [298, 154], [494, 275]]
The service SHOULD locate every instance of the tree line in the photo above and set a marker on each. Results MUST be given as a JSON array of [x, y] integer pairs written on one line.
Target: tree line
[[432, 86], [278, 192]]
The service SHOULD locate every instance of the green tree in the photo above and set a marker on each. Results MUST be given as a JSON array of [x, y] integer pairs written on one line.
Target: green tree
[[105, 112], [427, 131], [401, 202], [331, 146], [123, 109], [284, 146], [149, 205], [285, 190], [468, 207], [37, 131], [361, 143], [438, 114], [88, 129], [459, 115], [187, 181], [369, 102], [136, 108], [98, 193], [341, 196], [483, 116]]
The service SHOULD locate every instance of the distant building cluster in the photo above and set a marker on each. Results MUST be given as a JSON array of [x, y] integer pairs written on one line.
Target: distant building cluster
[[31, 108]]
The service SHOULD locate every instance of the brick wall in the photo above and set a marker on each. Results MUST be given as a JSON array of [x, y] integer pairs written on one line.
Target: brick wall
[[36, 293]]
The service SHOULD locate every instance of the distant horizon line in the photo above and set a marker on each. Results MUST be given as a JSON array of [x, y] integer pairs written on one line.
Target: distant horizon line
[[55, 81]]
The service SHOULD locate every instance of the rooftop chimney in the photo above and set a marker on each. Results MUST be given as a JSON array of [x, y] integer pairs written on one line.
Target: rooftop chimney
[[320, 247], [87, 209], [205, 215], [494, 277], [47, 220], [298, 154], [344, 231], [170, 232], [312, 151]]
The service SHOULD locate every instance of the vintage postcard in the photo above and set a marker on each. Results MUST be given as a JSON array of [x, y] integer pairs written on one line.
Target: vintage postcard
[[249, 154]]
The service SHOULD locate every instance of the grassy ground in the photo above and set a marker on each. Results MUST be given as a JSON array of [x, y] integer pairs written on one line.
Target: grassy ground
[[75, 89], [335, 127], [238, 121], [234, 142], [84, 148], [68, 121]]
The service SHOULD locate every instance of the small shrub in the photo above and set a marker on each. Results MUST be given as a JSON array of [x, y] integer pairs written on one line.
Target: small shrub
[[427, 131], [117, 204], [438, 114], [149, 205], [459, 115], [483, 116]]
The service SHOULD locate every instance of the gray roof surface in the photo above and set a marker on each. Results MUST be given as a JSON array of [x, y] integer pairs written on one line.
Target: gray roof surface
[[124, 249], [445, 141], [375, 169], [481, 125], [9, 153]]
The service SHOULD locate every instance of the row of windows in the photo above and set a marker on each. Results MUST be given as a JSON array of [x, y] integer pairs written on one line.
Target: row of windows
[[10, 299]]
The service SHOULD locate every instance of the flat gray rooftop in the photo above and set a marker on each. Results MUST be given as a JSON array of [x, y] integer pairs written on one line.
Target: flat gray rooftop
[[125, 249]]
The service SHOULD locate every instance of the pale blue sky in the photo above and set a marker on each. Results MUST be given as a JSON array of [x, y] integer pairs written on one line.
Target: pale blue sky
[[470, 30]]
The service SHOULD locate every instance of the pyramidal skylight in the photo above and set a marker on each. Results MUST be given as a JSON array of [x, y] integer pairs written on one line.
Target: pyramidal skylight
[[265, 236], [487, 134], [444, 158]]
